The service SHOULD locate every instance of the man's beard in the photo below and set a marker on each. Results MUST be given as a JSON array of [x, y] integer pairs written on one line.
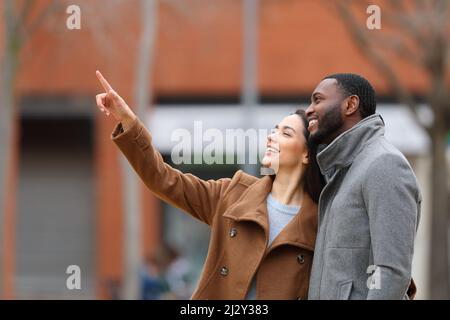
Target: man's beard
[[328, 125]]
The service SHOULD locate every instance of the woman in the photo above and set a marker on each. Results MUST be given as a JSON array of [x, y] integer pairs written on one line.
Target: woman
[[262, 230]]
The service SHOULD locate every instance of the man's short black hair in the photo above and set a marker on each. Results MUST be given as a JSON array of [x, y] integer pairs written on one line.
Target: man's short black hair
[[353, 84]]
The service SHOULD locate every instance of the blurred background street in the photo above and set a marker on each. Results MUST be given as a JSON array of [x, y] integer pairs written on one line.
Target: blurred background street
[[67, 197]]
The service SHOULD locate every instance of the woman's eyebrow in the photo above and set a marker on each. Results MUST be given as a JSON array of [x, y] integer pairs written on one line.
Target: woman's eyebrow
[[285, 127]]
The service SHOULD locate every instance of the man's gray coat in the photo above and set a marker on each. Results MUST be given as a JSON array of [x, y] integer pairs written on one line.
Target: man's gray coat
[[368, 217]]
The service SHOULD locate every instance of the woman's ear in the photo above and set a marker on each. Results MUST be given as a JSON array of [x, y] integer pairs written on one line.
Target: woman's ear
[[305, 158]]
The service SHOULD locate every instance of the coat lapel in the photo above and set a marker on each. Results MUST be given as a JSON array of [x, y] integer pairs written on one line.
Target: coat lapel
[[251, 206], [300, 231]]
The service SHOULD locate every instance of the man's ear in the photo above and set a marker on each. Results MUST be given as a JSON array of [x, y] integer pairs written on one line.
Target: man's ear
[[352, 105]]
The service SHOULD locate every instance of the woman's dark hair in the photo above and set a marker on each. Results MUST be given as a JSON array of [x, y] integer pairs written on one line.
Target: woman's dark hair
[[313, 179]]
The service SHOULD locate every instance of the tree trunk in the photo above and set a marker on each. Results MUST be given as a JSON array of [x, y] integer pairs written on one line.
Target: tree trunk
[[249, 93], [9, 68], [439, 266], [133, 202]]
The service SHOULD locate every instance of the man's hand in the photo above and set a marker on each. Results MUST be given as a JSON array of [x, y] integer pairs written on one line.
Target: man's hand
[[111, 102]]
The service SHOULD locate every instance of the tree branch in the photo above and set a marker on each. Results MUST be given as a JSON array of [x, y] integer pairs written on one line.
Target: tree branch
[[399, 47], [379, 62], [37, 22], [413, 23], [20, 21]]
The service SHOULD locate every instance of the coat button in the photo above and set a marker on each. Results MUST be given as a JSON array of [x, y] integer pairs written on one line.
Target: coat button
[[301, 258], [224, 271], [233, 232]]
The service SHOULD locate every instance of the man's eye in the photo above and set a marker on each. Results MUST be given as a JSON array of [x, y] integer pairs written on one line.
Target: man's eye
[[286, 134]]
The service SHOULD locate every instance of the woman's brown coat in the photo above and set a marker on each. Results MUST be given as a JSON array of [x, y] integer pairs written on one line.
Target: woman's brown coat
[[236, 211]]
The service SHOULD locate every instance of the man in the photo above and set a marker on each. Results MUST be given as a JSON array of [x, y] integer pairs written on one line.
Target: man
[[370, 208]]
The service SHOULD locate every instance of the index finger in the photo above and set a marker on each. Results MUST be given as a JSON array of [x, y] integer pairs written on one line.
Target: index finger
[[103, 81]]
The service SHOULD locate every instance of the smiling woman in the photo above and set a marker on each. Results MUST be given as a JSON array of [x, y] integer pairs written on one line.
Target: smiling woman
[[259, 225]]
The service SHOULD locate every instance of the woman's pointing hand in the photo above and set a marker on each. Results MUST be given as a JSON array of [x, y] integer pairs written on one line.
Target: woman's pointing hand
[[111, 103]]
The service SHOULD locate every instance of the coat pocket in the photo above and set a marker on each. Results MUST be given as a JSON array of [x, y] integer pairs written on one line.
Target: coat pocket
[[344, 290]]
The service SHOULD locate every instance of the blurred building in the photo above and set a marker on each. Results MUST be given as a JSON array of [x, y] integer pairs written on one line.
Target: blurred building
[[70, 197]]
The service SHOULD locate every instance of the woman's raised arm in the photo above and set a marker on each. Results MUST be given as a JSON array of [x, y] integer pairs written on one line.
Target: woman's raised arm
[[191, 194]]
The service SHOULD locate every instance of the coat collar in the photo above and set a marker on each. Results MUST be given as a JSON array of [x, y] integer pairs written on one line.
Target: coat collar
[[251, 206], [348, 145]]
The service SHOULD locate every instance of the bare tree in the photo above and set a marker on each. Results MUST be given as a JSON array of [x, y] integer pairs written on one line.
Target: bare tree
[[142, 97], [417, 33], [249, 90], [19, 26]]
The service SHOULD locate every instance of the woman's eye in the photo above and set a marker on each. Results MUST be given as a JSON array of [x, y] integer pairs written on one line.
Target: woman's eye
[[286, 134]]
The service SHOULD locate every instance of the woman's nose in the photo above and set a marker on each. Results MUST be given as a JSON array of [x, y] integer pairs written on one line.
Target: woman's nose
[[271, 136]]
